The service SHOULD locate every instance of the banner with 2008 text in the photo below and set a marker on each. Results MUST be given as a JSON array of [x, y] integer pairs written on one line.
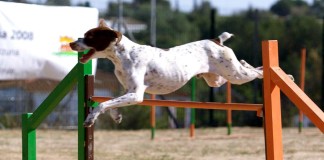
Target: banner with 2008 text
[[34, 39]]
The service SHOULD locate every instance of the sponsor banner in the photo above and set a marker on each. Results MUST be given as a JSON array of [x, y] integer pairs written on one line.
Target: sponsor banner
[[34, 39]]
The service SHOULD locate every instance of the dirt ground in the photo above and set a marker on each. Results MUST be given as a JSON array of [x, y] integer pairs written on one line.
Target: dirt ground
[[209, 144]]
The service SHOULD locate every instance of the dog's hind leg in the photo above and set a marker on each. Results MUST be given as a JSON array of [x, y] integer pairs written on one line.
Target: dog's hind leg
[[213, 80], [259, 69], [247, 65], [241, 74]]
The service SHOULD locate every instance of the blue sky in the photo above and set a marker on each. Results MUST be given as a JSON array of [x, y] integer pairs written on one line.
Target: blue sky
[[225, 7]]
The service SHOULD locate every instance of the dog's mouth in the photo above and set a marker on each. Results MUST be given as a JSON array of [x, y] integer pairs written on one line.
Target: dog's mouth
[[86, 57]]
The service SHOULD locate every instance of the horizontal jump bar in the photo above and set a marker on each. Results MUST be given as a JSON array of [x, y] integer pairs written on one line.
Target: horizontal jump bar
[[201, 105]]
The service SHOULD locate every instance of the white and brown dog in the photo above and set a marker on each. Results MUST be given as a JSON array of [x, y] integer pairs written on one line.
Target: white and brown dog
[[142, 68]]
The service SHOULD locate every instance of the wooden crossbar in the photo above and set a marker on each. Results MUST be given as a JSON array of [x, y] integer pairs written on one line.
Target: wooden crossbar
[[189, 104], [298, 97]]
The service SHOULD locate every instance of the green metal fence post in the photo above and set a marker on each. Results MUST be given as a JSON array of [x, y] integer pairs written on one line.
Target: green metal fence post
[[153, 119], [28, 139]]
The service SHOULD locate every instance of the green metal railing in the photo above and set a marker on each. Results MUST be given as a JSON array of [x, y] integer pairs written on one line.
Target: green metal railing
[[30, 121]]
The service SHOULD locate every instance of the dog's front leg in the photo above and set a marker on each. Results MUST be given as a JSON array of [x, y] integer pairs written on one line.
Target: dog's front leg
[[125, 100], [135, 94]]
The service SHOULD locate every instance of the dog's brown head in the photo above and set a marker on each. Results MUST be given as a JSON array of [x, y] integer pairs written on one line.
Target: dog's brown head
[[96, 40]]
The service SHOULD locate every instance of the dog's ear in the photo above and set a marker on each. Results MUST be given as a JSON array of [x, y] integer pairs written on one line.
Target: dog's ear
[[119, 36], [102, 23]]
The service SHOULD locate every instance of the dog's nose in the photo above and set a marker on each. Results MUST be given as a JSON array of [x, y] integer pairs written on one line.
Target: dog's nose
[[76, 44], [73, 45]]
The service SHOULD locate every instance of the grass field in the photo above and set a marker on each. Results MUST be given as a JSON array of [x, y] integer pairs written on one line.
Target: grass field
[[209, 144]]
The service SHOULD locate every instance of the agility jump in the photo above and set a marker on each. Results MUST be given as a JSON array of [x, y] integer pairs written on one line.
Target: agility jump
[[274, 80]]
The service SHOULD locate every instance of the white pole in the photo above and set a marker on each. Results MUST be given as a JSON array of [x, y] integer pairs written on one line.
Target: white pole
[[120, 15], [153, 22]]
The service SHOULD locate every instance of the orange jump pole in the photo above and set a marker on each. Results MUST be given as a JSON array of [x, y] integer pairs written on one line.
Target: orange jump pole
[[302, 85], [200, 105], [193, 110], [152, 119], [298, 97], [272, 108], [274, 78]]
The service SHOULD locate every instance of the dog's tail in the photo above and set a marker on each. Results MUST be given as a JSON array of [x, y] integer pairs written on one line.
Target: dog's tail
[[224, 37]]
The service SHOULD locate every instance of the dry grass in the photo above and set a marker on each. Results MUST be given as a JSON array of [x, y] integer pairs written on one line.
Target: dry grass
[[209, 144]]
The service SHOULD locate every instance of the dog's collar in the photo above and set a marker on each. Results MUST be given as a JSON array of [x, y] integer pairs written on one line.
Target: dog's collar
[[217, 41]]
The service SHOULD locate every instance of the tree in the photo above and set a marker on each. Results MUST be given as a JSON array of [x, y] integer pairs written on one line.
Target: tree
[[281, 8], [58, 3], [317, 8], [18, 1]]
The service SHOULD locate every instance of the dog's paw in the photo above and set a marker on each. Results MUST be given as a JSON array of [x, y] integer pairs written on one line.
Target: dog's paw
[[115, 115], [87, 124], [118, 119], [291, 77], [260, 68], [89, 121]]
